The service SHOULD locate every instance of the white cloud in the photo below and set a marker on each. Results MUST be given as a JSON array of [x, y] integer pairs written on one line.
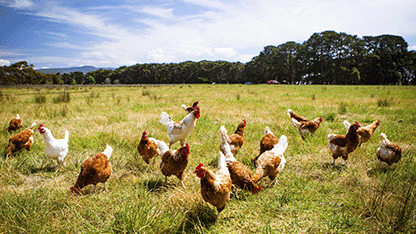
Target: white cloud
[[226, 51], [158, 11], [22, 4], [4, 63], [67, 46], [57, 34], [244, 58]]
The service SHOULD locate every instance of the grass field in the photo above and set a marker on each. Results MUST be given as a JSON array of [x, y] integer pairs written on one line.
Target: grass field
[[311, 197]]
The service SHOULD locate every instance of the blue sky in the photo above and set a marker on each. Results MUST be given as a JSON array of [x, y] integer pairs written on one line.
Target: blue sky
[[106, 33]]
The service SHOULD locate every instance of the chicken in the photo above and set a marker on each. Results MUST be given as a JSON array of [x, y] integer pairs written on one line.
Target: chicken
[[150, 148], [21, 140], [189, 109], [342, 145], [174, 163], [55, 148], [94, 170], [179, 131], [271, 162], [15, 124], [266, 143], [236, 140], [388, 152], [304, 126], [215, 187], [364, 133], [239, 173]]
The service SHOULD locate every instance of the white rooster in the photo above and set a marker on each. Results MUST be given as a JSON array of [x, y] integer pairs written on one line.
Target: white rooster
[[55, 148], [179, 131]]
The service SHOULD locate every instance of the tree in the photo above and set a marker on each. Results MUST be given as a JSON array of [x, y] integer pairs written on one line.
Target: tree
[[89, 80], [79, 77]]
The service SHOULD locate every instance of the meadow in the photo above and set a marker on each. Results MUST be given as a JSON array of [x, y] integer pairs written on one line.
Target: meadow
[[311, 197]]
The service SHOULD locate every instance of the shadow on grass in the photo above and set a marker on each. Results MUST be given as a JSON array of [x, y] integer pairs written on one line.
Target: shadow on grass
[[338, 167], [198, 218], [376, 171], [44, 168], [91, 190], [156, 185]]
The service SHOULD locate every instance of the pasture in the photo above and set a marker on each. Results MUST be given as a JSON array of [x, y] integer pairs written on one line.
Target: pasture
[[311, 197]]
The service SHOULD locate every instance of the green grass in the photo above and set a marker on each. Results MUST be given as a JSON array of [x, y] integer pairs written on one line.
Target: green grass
[[311, 197]]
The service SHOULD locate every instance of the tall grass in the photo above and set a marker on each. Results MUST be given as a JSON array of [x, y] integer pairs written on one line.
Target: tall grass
[[40, 98], [311, 196], [62, 97]]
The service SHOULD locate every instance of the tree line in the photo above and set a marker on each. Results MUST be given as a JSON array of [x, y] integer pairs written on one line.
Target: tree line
[[325, 58]]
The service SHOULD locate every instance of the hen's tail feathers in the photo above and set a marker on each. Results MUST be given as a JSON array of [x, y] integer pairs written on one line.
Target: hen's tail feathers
[[67, 136], [32, 126], [295, 123], [289, 112], [347, 124], [224, 136], [184, 107], [162, 146], [17, 116], [384, 141], [282, 164], [331, 136], [222, 164], [108, 151], [225, 144], [165, 119], [268, 131], [281, 146]]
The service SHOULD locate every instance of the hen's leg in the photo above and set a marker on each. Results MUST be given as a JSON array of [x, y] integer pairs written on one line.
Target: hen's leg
[[154, 161], [183, 186], [346, 163]]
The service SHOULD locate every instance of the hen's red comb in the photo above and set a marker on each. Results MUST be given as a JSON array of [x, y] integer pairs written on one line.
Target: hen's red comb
[[40, 126], [187, 146], [199, 166], [244, 121]]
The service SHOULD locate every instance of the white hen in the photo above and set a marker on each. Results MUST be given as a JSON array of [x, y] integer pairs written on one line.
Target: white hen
[[55, 148], [179, 131]]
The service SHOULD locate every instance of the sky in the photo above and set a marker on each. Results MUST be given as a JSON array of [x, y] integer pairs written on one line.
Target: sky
[[103, 33]]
